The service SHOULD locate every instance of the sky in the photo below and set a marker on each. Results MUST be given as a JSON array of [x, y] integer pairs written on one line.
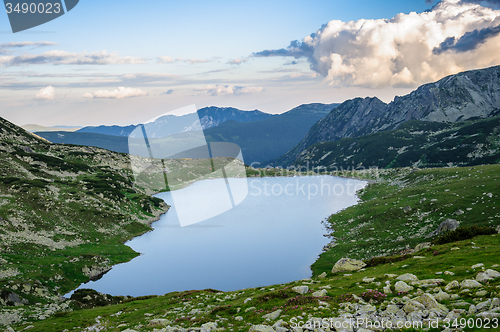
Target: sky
[[123, 62]]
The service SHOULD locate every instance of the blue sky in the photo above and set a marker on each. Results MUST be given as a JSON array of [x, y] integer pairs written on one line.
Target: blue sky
[[121, 62]]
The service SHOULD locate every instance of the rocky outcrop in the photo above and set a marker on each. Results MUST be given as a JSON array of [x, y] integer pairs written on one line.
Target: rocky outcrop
[[347, 264], [445, 226], [454, 98]]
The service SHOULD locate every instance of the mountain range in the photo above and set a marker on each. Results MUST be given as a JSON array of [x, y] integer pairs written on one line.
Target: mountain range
[[261, 136], [467, 95], [168, 124]]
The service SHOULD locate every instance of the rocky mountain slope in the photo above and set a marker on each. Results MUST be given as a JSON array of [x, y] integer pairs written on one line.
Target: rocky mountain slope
[[471, 94], [163, 126], [415, 143], [65, 212]]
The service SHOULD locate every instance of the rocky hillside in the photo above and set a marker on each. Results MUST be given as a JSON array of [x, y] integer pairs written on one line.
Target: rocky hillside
[[415, 143], [65, 212], [471, 94]]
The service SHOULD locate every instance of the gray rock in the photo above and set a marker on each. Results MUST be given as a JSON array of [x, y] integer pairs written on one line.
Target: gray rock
[[445, 226], [407, 277], [322, 275], [452, 285], [159, 322], [421, 246], [320, 293], [273, 315], [495, 303], [430, 303], [347, 264], [483, 306], [261, 328], [487, 275], [402, 286], [412, 306], [472, 309], [468, 283], [301, 289], [238, 318], [442, 296]]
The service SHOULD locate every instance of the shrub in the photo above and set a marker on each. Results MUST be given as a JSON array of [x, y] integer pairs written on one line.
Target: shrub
[[373, 295], [279, 294], [464, 233]]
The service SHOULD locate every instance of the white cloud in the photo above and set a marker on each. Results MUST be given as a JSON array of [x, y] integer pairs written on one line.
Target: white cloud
[[407, 50], [47, 93], [237, 61], [191, 61], [26, 44], [67, 58], [119, 93], [221, 90]]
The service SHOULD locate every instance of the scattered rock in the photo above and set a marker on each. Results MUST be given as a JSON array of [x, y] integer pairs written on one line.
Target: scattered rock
[[238, 318], [159, 322], [449, 273], [445, 226], [407, 209], [322, 275], [402, 287], [430, 303], [412, 306], [452, 285], [261, 328], [423, 245], [481, 293], [273, 315], [487, 275], [301, 289], [368, 280], [477, 266], [407, 277], [320, 293], [459, 212], [468, 283], [348, 264]]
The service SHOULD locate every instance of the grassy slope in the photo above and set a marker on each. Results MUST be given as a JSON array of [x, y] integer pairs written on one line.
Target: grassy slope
[[224, 307], [381, 208], [63, 208], [414, 143], [379, 225]]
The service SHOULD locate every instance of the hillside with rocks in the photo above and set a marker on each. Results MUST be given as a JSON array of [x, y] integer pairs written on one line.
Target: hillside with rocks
[[414, 144], [467, 95], [65, 212]]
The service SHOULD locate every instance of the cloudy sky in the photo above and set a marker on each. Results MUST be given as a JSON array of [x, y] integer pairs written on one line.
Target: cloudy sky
[[122, 62]]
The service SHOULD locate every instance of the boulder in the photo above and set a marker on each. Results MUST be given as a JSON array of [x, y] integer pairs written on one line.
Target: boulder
[[468, 283], [421, 246], [159, 322], [273, 315], [452, 285], [261, 328], [442, 296], [322, 275], [430, 303], [412, 306], [320, 293], [402, 287], [347, 264], [407, 277], [301, 289], [445, 226], [487, 275]]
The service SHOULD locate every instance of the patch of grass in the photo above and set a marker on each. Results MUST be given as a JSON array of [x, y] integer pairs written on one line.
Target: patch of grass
[[464, 233]]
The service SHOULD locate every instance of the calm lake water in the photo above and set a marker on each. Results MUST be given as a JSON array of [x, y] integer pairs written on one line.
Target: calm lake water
[[271, 237]]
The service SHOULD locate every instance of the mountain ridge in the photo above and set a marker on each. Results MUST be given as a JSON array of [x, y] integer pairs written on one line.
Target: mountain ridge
[[458, 97]]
